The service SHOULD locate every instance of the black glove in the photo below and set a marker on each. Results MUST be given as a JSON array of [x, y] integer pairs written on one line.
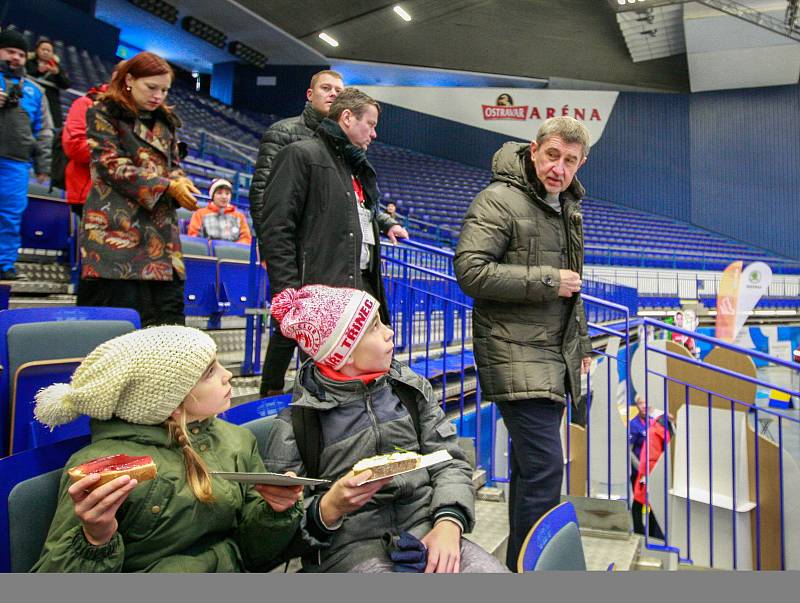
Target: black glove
[[409, 553]]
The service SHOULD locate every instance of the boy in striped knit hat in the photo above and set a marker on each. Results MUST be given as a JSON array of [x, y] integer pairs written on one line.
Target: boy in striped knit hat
[[353, 400]]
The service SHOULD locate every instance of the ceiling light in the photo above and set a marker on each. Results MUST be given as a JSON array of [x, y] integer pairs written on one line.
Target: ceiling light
[[326, 38], [402, 12]]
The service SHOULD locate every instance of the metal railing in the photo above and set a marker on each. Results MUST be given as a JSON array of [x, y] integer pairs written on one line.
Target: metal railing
[[732, 474]]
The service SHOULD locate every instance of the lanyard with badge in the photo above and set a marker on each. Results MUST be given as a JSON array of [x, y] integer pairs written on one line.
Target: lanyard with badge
[[364, 214]]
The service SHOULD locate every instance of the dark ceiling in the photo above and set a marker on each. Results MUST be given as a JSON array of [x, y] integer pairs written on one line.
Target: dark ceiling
[[570, 39]]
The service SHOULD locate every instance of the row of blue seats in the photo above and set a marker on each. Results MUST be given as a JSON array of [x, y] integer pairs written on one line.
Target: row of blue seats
[[217, 272]]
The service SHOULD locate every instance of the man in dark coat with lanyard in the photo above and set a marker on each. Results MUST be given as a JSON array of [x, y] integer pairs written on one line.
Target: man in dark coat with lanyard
[[320, 216], [322, 91], [520, 255]]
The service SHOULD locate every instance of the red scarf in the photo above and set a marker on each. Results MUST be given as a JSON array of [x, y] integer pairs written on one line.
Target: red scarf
[[335, 375]]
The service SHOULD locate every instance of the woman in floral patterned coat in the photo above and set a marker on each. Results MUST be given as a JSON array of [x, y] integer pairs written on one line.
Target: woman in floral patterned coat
[[130, 243]]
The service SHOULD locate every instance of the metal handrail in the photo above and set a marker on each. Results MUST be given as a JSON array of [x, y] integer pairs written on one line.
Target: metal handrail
[[718, 342], [751, 407]]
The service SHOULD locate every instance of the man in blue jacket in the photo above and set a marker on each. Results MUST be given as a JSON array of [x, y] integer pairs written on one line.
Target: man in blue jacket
[[26, 134]]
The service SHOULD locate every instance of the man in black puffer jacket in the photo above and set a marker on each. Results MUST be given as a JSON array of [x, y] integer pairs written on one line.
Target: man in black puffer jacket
[[325, 86], [321, 215]]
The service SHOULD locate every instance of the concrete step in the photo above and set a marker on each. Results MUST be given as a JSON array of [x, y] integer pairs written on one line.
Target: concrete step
[[491, 527], [601, 549], [601, 515]]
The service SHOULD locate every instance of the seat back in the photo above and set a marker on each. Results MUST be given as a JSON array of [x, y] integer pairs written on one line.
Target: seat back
[[553, 543], [43, 353], [30, 510], [200, 290], [228, 250], [234, 283], [41, 346], [194, 246], [31, 506], [46, 224]]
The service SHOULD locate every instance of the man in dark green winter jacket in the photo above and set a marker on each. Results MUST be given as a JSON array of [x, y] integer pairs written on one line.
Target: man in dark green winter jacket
[[520, 255], [325, 86]]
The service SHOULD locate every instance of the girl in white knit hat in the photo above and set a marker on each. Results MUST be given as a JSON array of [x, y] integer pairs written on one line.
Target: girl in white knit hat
[[155, 392]]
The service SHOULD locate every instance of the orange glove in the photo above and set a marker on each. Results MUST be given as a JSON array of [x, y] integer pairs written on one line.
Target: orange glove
[[181, 190]]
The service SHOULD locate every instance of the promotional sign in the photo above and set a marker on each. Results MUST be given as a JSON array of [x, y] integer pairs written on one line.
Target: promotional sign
[[739, 292], [727, 298], [753, 284], [516, 112]]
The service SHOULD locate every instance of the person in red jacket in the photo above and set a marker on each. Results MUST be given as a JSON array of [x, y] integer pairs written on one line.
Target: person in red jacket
[[220, 219], [658, 436], [76, 148]]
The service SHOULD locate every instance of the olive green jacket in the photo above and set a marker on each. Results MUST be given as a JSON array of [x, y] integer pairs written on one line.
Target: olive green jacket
[[162, 526], [528, 341]]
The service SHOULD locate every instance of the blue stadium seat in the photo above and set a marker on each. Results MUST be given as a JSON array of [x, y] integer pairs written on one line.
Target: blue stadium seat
[[29, 482], [41, 346], [47, 224], [553, 543]]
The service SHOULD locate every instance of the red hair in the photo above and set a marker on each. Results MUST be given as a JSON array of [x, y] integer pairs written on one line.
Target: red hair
[[144, 64]]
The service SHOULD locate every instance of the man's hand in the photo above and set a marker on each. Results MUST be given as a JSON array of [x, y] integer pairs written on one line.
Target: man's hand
[[570, 283], [348, 494], [444, 548], [3, 96], [280, 498], [41, 178], [586, 363], [397, 232]]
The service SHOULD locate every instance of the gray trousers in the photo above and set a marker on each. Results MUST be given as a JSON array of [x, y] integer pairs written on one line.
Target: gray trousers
[[474, 560]]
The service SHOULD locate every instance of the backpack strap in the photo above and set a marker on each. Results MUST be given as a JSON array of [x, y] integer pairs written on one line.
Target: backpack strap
[[308, 429], [408, 397], [308, 435]]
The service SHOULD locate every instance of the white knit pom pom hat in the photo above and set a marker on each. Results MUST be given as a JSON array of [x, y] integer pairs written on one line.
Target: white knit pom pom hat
[[140, 377]]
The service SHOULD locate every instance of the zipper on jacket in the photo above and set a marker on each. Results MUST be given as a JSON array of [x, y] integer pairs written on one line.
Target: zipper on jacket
[[374, 420], [568, 241]]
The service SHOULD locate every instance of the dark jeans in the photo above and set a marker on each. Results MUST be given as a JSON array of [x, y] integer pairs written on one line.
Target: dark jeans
[[158, 302], [537, 466], [280, 350]]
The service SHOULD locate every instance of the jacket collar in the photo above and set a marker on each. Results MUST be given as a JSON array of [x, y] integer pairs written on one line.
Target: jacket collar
[[149, 435], [315, 390], [311, 117], [354, 157], [213, 207], [335, 375], [159, 136]]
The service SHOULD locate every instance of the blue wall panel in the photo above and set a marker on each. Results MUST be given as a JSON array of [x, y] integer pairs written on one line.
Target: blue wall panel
[[286, 98], [439, 137], [642, 159], [642, 155], [726, 161], [60, 21], [745, 175]]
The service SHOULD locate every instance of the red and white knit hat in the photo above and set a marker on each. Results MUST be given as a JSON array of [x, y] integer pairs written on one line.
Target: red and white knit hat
[[217, 183], [327, 322]]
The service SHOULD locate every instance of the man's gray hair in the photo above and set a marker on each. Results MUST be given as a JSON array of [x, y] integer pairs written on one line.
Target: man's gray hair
[[568, 129], [354, 100]]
